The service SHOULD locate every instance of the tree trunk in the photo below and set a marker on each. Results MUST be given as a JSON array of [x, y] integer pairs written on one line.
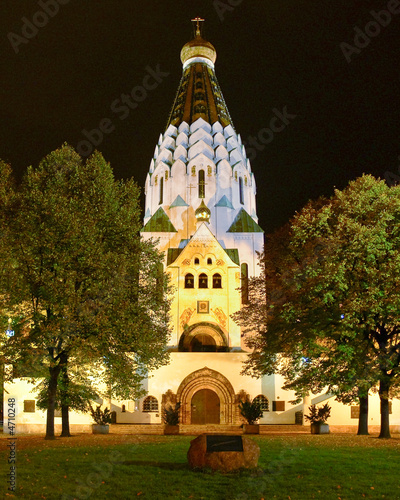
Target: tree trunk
[[363, 417], [64, 400], [51, 402], [384, 396], [65, 421]]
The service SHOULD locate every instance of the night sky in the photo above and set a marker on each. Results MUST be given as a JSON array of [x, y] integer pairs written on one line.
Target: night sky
[[271, 55]]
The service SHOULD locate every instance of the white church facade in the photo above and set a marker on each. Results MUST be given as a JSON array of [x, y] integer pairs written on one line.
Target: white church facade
[[200, 204]]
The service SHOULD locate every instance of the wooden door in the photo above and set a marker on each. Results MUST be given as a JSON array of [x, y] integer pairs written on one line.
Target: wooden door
[[205, 407]]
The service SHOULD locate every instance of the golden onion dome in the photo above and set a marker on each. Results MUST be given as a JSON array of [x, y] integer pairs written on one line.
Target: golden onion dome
[[198, 47], [202, 213]]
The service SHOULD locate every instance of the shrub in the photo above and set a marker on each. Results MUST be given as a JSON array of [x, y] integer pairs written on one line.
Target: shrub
[[171, 415], [318, 415], [101, 417], [251, 411]]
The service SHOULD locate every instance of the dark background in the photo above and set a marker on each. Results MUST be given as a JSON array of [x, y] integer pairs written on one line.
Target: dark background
[[271, 54]]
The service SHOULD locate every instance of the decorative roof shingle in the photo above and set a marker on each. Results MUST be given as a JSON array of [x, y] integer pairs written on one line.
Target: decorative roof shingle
[[159, 223], [243, 223]]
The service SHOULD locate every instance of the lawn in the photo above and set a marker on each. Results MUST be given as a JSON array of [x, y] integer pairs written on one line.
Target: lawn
[[291, 467]]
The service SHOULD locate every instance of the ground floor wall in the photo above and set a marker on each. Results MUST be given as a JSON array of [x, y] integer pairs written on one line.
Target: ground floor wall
[[204, 384], [20, 402], [189, 373]]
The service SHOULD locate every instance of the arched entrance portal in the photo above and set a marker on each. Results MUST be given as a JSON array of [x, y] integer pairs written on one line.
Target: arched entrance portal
[[203, 337], [207, 388], [205, 407]]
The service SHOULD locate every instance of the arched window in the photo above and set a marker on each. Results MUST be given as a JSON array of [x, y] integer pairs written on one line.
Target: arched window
[[209, 260], [262, 401], [150, 403], [241, 191], [203, 281], [244, 268], [189, 281], [196, 260], [123, 408], [217, 281], [202, 184], [161, 190]]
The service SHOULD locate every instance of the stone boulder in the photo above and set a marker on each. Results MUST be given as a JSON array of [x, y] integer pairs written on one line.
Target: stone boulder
[[224, 453]]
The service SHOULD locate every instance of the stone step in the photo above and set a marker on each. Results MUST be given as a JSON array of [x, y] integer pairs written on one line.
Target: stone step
[[137, 428], [210, 429], [284, 429], [195, 430]]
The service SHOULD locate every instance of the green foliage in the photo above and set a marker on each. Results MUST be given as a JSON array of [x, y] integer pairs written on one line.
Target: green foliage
[[251, 411], [75, 269], [101, 417], [78, 264], [171, 414], [75, 395], [318, 415]]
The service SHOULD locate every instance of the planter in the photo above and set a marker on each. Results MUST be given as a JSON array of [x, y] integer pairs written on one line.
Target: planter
[[319, 428], [251, 428], [171, 429], [100, 429]]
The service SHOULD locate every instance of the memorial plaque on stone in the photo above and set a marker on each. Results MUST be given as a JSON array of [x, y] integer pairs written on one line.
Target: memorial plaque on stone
[[223, 452], [217, 443]]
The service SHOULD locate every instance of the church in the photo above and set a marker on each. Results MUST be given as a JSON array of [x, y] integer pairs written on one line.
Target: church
[[200, 205]]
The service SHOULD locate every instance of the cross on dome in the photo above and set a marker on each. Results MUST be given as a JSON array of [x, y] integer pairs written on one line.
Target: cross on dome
[[198, 20], [198, 47]]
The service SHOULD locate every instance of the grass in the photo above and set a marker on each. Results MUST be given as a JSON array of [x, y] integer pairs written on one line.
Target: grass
[[297, 467]]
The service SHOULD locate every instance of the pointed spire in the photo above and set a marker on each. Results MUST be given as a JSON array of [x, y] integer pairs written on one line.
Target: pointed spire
[[199, 94]]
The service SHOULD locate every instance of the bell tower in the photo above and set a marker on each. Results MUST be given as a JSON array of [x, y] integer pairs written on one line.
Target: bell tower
[[200, 165], [201, 205]]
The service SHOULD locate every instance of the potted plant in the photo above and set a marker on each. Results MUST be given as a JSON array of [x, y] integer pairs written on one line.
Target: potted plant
[[251, 411], [318, 418], [102, 418], [171, 419]]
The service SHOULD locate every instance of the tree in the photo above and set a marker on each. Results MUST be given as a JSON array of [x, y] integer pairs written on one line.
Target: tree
[[87, 283], [329, 305], [74, 389]]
